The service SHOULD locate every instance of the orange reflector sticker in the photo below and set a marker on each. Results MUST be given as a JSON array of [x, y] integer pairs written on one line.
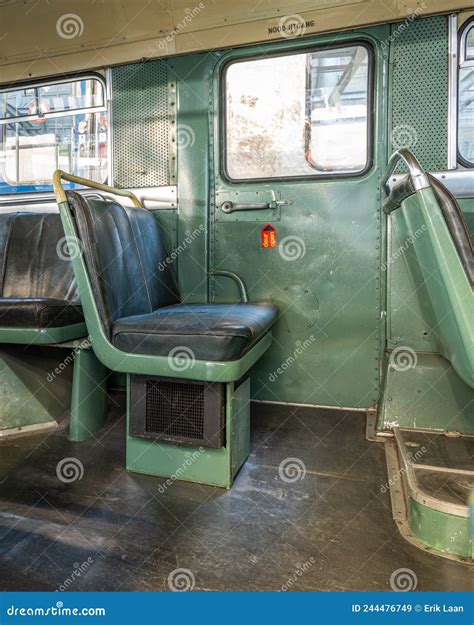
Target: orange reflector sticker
[[269, 236]]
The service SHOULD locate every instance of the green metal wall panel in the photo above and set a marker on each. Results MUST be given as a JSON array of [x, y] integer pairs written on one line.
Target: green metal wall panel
[[193, 76], [418, 121], [419, 102], [327, 340], [423, 391], [410, 317]]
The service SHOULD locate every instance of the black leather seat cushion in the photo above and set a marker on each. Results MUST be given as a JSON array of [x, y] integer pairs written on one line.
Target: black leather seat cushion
[[38, 313], [137, 297], [214, 332], [37, 285]]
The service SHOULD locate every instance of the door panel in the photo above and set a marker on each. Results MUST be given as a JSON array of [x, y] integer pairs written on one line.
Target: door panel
[[324, 273]]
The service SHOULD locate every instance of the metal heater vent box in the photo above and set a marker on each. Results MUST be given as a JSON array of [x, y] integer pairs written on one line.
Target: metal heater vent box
[[176, 410]]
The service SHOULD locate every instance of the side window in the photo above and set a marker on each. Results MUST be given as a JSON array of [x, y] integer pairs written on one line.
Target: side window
[[466, 95], [302, 114], [47, 126]]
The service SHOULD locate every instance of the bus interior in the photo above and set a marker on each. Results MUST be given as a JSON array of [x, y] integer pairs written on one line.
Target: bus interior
[[236, 308]]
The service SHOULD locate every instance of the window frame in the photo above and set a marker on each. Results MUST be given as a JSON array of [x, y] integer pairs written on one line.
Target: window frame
[[306, 50], [67, 78], [463, 62], [47, 83]]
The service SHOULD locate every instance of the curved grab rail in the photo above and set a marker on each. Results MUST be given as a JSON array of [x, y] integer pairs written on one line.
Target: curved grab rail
[[417, 173], [60, 193], [237, 279]]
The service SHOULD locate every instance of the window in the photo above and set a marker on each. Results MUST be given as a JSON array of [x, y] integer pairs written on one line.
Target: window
[[466, 96], [47, 126], [298, 115]]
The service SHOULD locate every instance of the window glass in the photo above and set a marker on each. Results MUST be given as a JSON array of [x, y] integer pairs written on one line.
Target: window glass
[[59, 125], [302, 114], [466, 99], [54, 98], [469, 54]]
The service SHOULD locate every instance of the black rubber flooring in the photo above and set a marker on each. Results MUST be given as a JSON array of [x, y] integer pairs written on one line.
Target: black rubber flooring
[[331, 529]]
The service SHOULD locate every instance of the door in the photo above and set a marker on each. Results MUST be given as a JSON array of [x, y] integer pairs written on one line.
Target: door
[[295, 209]]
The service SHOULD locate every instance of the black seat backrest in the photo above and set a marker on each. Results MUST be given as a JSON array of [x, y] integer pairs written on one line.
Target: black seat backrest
[[33, 258], [126, 258]]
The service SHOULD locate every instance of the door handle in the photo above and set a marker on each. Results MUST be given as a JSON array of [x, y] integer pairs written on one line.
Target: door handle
[[231, 207]]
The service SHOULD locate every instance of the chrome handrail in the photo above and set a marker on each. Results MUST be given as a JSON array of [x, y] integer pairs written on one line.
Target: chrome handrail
[[416, 172]]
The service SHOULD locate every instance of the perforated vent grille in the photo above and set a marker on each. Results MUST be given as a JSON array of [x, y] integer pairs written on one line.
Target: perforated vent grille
[[142, 116], [420, 90], [175, 409]]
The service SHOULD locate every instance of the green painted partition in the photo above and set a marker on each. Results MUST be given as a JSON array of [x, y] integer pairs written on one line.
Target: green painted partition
[[423, 391], [445, 284], [35, 389]]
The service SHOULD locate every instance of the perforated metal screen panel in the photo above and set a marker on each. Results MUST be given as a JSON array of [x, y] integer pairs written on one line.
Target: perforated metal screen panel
[[143, 120], [176, 410], [419, 118]]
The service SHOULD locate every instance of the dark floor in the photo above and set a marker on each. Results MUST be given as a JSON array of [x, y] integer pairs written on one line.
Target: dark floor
[[330, 530]]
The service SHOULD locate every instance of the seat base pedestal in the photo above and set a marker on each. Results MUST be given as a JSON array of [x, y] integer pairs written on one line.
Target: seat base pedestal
[[89, 395], [203, 465]]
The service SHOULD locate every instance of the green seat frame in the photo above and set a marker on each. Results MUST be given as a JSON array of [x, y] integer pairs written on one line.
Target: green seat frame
[[445, 278], [42, 336], [217, 467], [108, 354]]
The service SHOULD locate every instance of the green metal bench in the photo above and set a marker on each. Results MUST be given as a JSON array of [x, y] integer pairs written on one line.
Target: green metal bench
[[39, 308], [428, 216]]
